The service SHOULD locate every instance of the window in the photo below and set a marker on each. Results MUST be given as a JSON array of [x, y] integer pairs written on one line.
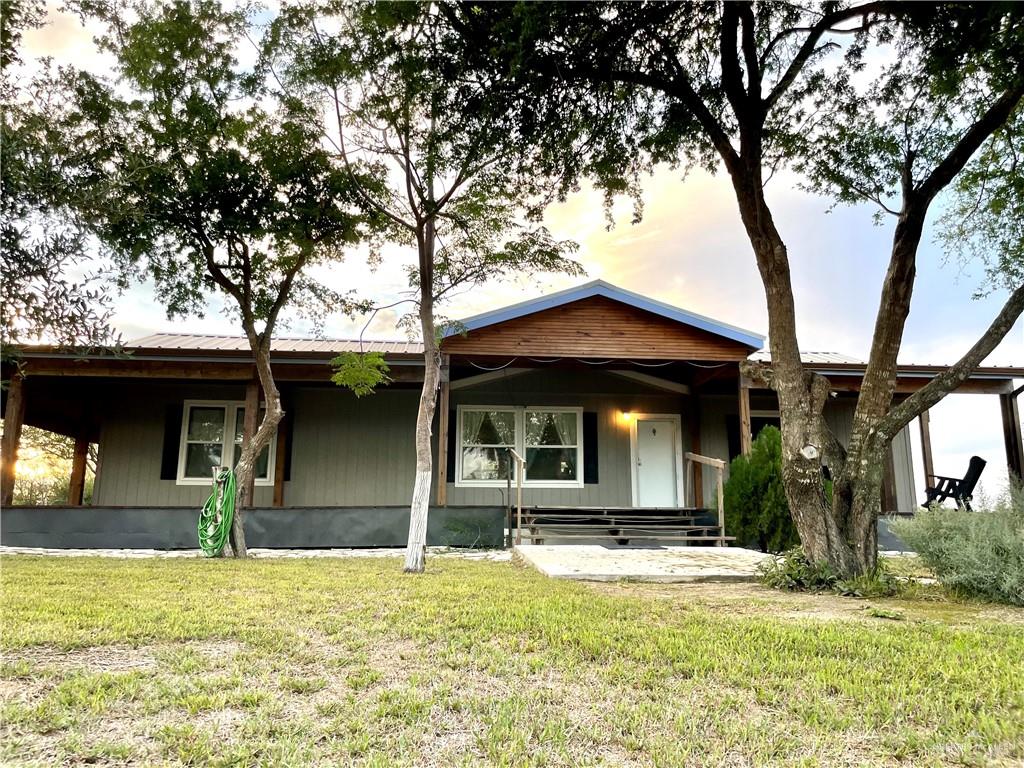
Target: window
[[486, 437], [211, 431], [549, 439], [552, 445]]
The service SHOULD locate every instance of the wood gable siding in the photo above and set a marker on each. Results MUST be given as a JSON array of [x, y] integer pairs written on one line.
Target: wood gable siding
[[596, 327]]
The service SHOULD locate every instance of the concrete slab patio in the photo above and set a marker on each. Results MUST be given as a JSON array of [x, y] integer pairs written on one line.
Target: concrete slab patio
[[664, 564]]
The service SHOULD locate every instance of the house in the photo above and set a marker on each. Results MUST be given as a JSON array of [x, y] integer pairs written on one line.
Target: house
[[606, 393]]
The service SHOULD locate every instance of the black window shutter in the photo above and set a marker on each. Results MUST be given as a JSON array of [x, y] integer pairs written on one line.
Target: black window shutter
[[288, 426], [452, 443], [732, 434], [590, 447], [172, 441]]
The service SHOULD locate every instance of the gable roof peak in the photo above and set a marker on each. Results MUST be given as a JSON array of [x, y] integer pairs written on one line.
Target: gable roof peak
[[605, 289]]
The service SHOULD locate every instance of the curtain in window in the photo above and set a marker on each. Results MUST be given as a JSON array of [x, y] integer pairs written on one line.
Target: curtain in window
[[551, 445], [486, 438]]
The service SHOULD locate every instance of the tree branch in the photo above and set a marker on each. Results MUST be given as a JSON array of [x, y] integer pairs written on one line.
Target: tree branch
[[814, 33], [936, 389], [995, 116]]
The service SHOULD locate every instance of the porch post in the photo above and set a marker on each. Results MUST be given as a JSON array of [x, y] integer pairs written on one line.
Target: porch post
[[889, 501], [745, 437], [697, 469], [76, 489], [442, 433], [252, 421], [13, 416], [1012, 433], [924, 421], [281, 452]]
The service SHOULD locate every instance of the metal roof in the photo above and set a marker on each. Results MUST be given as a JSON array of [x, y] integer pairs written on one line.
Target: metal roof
[[812, 358], [194, 342], [613, 292]]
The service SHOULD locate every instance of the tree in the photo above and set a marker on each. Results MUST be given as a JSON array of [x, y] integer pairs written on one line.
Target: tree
[[201, 179], [753, 88], [396, 99], [50, 288]]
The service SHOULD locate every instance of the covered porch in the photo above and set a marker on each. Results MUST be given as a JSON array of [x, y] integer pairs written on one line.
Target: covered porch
[[593, 407]]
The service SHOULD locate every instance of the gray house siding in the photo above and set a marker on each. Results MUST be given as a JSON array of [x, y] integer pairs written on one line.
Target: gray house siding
[[607, 395], [131, 445], [355, 452], [349, 451]]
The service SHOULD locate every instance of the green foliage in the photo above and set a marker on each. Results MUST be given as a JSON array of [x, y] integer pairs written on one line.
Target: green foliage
[[978, 554], [361, 372], [197, 173], [50, 283], [436, 127], [793, 571], [984, 220], [756, 510]]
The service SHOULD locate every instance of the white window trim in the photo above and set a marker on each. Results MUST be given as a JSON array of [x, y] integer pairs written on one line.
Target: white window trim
[[519, 446], [227, 444]]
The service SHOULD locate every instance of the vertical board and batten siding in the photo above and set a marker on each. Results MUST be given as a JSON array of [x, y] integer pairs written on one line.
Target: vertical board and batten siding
[[903, 471], [350, 451], [607, 395], [360, 452], [131, 445]]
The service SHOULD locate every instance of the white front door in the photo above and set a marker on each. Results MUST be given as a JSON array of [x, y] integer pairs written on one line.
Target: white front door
[[654, 455]]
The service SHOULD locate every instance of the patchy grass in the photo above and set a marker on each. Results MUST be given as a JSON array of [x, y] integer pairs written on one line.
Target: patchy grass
[[350, 662]]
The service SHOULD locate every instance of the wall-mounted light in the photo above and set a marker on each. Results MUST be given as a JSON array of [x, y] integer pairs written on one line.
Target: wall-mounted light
[[627, 417]]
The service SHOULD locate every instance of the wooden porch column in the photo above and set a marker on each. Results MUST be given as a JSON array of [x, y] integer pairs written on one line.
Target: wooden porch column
[[693, 417], [442, 433], [924, 420], [76, 490], [13, 417], [889, 500], [745, 437], [281, 455], [1012, 433], [252, 422]]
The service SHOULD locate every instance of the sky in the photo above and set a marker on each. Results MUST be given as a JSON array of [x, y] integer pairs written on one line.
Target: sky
[[690, 250]]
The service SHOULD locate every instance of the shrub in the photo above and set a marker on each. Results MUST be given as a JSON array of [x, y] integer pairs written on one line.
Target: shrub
[[756, 511], [978, 554], [793, 571]]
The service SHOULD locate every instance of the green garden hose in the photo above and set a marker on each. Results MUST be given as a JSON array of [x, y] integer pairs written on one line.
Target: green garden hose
[[218, 512]]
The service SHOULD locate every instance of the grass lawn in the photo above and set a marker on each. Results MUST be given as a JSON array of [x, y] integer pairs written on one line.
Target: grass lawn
[[338, 662]]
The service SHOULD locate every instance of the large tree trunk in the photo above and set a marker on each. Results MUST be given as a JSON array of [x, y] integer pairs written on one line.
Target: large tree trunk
[[246, 469], [843, 533], [415, 553], [807, 442], [416, 547]]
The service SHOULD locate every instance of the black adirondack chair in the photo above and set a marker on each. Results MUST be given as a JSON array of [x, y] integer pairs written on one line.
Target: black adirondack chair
[[961, 490]]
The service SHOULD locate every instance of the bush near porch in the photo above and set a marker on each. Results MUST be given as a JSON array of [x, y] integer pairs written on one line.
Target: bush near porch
[[347, 661], [979, 553], [756, 510]]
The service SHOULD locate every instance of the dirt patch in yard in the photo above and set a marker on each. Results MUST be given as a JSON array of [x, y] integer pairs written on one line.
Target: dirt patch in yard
[[740, 599], [115, 658]]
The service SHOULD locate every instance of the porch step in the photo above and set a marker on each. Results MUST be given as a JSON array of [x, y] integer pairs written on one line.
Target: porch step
[[614, 527], [631, 535]]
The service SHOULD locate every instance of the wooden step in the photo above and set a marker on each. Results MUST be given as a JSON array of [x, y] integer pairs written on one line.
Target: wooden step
[[645, 537]]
